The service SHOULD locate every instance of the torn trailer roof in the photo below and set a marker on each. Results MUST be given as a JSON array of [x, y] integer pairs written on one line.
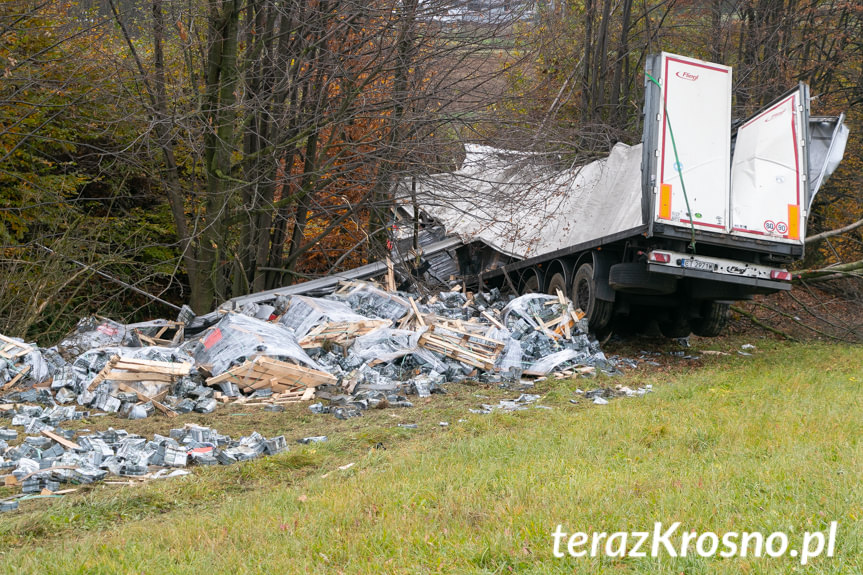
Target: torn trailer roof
[[522, 207]]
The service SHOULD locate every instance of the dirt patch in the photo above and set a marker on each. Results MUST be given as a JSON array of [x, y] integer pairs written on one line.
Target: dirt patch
[[830, 310]]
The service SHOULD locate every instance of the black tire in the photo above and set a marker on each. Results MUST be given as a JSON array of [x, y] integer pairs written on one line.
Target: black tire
[[584, 297], [634, 278], [676, 326], [714, 317], [531, 284], [557, 282]]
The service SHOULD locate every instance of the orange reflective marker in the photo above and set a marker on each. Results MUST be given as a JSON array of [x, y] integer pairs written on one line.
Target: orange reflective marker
[[665, 201], [793, 221]]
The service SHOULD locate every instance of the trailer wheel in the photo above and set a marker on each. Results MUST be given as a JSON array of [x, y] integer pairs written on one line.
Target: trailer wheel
[[714, 316], [531, 284], [676, 326], [634, 278], [557, 283], [584, 297]]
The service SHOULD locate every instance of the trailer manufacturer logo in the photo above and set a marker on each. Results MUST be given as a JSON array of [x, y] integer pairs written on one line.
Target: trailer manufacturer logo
[[735, 270], [775, 115], [683, 75]]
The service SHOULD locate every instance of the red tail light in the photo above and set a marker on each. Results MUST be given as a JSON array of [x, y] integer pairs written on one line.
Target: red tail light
[[780, 275], [659, 257]]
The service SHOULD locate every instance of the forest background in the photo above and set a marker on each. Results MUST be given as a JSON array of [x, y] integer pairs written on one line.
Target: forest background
[[203, 149]]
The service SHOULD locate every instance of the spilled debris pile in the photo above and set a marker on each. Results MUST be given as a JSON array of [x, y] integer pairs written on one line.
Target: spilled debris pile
[[42, 463], [358, 348]]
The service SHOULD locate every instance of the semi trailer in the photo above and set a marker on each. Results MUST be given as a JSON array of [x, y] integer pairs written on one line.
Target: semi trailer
[[705, 211], [702, 213]]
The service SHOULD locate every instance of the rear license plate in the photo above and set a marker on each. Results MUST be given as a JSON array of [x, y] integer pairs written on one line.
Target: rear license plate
[[698, 265]]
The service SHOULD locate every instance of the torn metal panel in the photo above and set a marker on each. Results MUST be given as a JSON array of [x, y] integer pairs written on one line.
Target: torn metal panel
[[769, 172], [524, 208], [827, 139]]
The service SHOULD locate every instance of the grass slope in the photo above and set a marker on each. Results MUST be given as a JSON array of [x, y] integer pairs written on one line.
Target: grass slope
[[769, 442]]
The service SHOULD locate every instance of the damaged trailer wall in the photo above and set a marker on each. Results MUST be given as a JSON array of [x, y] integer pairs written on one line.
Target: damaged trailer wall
[[524, 209]]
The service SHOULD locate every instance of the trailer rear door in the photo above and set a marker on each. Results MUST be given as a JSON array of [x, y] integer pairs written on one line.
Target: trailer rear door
[[691, 112], [769, 171]]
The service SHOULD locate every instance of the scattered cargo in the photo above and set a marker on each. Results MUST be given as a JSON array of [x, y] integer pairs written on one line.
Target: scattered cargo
[[359, 348]]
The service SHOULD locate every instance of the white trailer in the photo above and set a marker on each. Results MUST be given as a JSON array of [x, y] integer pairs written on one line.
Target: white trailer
[[697, 216]]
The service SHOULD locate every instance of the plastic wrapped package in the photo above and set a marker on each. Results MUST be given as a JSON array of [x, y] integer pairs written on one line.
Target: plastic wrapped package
[[55, 361], [548, 363], [93, 332], [305, 312], [511, 356], [257, 310], [387, 344], [186, 314], [10, 368], [237, 338], [372, 302], [93, 361], [528, 307], [39, 370]]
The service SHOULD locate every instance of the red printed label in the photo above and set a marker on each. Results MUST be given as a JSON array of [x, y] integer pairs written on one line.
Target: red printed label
[[107, 329], [212, 339]]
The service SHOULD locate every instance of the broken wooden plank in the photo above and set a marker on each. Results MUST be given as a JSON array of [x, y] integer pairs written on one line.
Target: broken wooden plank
[[14, 381], [313, 376], [277, 374], [417, 312], [100, 377], [391, 278], [160, 406], [115, 375], [341, 332], [152, 366], [61, 440], [162, 335], [493, 321], [14, 349]]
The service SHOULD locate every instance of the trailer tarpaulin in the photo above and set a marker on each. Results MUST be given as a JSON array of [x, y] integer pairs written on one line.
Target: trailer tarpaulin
[[521, 207]]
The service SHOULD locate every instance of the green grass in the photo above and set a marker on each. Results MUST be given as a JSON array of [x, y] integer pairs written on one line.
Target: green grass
[[770, 442]]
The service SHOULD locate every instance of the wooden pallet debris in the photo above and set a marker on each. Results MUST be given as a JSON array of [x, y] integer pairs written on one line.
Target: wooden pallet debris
[[341, 332], [14, 381], [391, 277], [562, 325], [61, 440], [469, 348], [122, 369], [13, 350], [301, 394], [144, 399], [282, 377], [170, 334], [416, 311]]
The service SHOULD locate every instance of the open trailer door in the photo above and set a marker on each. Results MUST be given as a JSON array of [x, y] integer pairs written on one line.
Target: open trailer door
[[769, 173], [687, 142]]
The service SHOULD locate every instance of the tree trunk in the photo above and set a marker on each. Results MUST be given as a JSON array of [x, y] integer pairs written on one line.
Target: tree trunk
[[170, 174], [586, 75], [219, 114], [622, 57]]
